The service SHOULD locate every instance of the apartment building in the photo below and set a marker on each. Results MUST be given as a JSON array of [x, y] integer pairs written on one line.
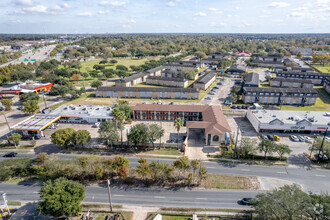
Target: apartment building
[[317, 78], [237, 69], [207, 120], [174, 73], [326, 84], [147, 92], [276, 96], [140, 77], [173, 66], [268, 61], [167, 81], [205, 81], [192, 63], [293, 69], [291, 83], [251, 80]]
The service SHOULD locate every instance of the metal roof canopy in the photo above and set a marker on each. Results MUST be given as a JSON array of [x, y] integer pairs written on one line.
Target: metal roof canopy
[[35, 123]]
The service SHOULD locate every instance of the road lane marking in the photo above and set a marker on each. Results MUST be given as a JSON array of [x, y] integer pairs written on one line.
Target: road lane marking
[[320, 175], [159, 197], [36, 192], [210, 167], [282, 172], [119, 195], [245, 170], [202, 198]]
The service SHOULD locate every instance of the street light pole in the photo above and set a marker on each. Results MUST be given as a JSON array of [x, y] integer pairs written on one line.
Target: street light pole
[[11, 133], [237, 133], [321, 148], [43, 95], [109, 194]]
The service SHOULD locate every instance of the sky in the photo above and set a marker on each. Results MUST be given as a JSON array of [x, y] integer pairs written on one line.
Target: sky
[[164, 16]]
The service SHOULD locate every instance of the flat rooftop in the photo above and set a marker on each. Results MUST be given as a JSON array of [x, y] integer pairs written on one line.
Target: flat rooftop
[[292, 117], [82, 111], [35, 123]]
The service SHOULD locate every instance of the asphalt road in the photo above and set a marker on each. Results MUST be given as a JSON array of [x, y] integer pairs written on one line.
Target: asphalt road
[[142, 196], [39, 55], [309, 178]]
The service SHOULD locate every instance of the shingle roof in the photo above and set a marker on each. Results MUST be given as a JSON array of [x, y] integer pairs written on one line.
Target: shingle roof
[[133, 77], [179, 65], [281, 90], [237, 67], [304, 73], [205, 78], [283, 79], [176, 79], [146, 89], [252, 78], [155, 69]]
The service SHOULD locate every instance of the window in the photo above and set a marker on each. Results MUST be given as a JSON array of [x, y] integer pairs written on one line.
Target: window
[[216, 138]]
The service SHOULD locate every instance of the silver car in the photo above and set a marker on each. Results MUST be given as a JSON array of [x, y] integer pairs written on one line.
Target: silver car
[[301, 138], [294, 138]]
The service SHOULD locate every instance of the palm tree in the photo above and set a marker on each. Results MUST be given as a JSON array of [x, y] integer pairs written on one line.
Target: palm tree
[[178, 123], [119, 117]]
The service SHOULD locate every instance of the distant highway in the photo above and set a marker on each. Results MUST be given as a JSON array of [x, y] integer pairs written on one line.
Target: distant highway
[[38, 55]]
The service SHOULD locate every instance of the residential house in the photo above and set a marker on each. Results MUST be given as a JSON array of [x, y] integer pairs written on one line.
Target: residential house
[[291, 83], [276, 96], [167, 81], [147, 92], [251, 80], [205, 81]]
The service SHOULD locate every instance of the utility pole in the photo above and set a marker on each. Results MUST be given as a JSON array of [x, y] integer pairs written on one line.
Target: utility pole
[[43, 95], [321, 148], [237, 133], [109, 196], [11, 133]]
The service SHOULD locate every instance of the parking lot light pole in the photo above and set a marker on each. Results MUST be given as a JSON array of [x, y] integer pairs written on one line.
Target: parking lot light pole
[[235, 151], [43, 95], [321, 148]]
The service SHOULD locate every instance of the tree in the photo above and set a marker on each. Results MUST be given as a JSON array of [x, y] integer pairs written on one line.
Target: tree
[[76, 77], [125, 108], [99, 172], [29, 96], [287, 202], [81, 137], [60, 90], [21, 75], [182, 164], [178, 123], [120, 118], [108, 73], [31, 106], [282, 149], [123, 171], [103, 62], [138, 134], [119, 161], [61, 197], [98, 67], [63, 137], [113, 62], [195, 164], [155, 132], [122, 74], [15, 139], [299, 55], [143, 169], [202, 174], [266, 146], [200, 55], [188, 73], [7, 103], [122, 68], [224, 63], [317, 146], [248, 147], [96, 84], [108, 131]]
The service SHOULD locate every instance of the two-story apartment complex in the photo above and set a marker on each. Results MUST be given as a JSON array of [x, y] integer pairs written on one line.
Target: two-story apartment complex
[[251, 80], [191, 63], [291, 83], [167, 81], [174, 66], [147, 92], [208, 120], [326, 84], [293, 69], [317, 78], [268, 61], [204, 81], [276, 96]]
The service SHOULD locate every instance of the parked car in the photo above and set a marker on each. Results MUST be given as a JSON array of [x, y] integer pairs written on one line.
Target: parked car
[[96, 125], [246, 201], [11, 154], [277, 138], [264, 137], [233, 107], [308, 139], [301, 138], [211, 93], [208, 98], [20, 107], [215, 87], [45, 110], [171, 103], [270, 137], [294, 138], [245, 107], [219, 83], [1, 108], [322, 156], [327, 139]]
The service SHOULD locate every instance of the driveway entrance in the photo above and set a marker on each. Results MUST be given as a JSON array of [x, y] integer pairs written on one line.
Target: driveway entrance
[[196, 143]]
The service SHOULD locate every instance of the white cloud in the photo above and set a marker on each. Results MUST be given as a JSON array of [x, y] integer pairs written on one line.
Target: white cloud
[[217, 24], [200, 14], [116, 4], [215, 10], [36, 9], [279, 4], [170, 4], [85, 14], [22, 2], [131, 21], [104, 12], [125, 26], [298, 14]]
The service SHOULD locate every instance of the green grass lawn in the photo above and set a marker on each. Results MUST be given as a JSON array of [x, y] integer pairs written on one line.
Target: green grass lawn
[[103, 215], [164, 152], [220, 181], [14, 203], [144, 84], [122, 61], [323, 68]]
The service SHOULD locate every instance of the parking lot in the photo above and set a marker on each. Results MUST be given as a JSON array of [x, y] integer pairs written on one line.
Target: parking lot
[[219, 94]]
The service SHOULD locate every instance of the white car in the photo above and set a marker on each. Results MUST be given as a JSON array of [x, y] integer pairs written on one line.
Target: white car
[[96, 125], [294, 138], [308, 139], [327, 138]]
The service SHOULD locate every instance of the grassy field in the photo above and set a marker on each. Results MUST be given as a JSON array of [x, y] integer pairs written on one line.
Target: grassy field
[[103, 215], [164, 152], [219, 181], [14, 203], [144, 84], [88, 65], [323, 68]]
